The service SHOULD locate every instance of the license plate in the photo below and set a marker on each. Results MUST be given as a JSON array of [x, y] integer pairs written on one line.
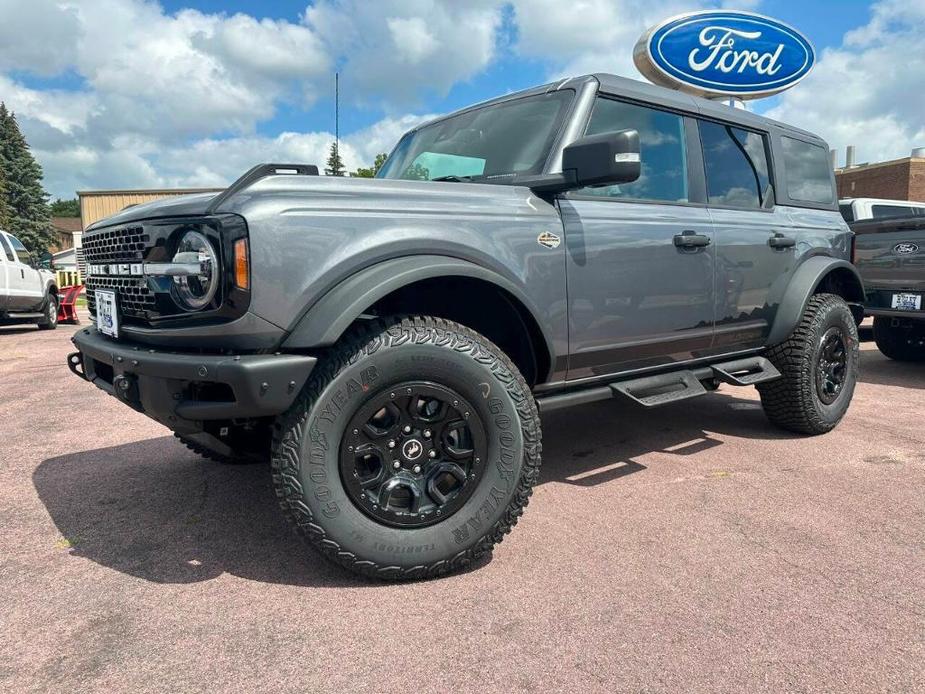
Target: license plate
[[107, 315], [907, 302]]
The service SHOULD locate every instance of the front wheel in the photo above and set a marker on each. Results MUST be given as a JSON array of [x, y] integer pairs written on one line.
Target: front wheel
[[49, 321], [818, 366], [412, 450]]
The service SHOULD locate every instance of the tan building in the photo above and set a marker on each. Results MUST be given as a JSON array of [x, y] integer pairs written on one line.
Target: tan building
[[899, 179], [65, 228], [98, 204]]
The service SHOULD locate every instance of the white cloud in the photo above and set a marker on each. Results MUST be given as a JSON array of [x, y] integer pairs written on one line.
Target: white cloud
[[586, 36], [870, 91], [394, 50]]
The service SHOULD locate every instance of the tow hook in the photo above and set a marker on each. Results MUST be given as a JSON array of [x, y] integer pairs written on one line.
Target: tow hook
[[75, 362], [125, 387]]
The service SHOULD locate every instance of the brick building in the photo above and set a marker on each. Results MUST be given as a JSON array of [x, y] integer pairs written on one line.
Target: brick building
[[899, 179]]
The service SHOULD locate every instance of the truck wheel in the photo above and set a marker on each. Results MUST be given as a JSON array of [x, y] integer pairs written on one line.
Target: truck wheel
[[819, 369], [50, 320], [235, 458], [411, 451], [902, 343]]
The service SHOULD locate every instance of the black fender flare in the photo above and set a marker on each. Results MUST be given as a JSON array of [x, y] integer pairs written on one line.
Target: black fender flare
[[803, 285], [330, 316]]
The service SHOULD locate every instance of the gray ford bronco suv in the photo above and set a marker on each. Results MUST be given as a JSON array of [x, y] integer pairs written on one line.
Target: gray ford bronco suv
[[390, 344]]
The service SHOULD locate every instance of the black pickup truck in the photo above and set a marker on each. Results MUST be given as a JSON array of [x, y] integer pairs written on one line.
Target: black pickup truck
[[890, 255]]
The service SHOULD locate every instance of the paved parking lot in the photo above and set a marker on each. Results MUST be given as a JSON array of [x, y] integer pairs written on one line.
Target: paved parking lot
[[689, 549]]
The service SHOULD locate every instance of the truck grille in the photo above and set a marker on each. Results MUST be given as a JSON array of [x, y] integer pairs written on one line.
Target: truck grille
[[126, 245]]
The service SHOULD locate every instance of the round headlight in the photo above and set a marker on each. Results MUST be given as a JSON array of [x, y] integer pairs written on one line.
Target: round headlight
[[197, 289]]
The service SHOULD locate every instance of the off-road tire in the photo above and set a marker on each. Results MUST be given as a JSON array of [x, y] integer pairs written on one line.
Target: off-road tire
[[50, 308], [792, 402], [215, 456], [365, 364], [898, 343]]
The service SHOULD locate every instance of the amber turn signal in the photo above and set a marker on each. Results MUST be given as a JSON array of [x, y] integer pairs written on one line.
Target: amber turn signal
[[242, 273]]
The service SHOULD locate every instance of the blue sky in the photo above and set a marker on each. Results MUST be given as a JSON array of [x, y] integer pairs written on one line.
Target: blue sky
[[135, 93]]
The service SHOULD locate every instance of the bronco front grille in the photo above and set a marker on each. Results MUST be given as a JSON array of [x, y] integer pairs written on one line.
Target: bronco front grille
[[125, 245]]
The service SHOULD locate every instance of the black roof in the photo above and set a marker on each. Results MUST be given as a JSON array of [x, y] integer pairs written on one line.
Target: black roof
[[653, 94], [672, 98]]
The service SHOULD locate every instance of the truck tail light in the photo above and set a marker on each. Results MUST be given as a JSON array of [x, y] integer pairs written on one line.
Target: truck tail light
[[242, 275]]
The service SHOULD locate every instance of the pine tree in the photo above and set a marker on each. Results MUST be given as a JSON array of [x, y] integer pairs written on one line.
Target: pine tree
[[26, 200], [4, 205], [335, 166]]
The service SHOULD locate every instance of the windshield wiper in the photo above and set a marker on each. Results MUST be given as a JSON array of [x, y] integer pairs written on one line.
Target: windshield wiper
[[453, 178]]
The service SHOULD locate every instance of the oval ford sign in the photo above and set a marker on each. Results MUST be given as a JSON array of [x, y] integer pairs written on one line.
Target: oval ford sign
[[724, 53], [905, 248]]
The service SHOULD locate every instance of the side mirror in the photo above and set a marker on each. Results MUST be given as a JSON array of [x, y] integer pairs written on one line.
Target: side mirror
[[608, 158]]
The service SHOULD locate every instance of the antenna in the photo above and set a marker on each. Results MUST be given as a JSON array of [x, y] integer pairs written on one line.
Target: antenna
[[337, 116]]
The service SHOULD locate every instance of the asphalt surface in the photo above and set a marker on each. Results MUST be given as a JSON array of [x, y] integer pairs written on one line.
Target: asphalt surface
[[689, 549]]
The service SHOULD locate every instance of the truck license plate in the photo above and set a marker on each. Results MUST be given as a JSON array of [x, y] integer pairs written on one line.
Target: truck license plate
[[907, 302], [107, 314]]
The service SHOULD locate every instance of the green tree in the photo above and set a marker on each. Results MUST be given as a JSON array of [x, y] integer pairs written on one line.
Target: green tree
[[65, 208], [374, 169], [416, 172], [335, 165], [29, 217], [4, 205]]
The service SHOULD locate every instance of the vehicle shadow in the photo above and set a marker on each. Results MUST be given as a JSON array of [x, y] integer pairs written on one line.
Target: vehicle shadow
[[17, 329], [154, 510], [595, 444], [878, 369]]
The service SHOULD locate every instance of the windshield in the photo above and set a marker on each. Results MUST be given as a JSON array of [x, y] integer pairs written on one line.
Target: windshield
[[513, 137]]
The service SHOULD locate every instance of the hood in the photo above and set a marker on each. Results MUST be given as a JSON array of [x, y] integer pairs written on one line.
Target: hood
[[174, 206], [379, 196]]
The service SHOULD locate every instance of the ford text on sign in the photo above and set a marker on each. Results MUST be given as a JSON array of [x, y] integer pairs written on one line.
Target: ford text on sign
[[724, 53]]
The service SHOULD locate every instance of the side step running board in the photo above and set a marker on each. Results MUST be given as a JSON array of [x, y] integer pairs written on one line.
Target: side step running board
[[746, 372], [661, 389]]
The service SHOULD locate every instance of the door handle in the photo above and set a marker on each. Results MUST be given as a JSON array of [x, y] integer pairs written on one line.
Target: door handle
[[781, 241], [22, 273], [691, 239]]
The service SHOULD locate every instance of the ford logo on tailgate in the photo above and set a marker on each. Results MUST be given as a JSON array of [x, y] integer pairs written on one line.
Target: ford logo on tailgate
[[718, 52], [905, 248]]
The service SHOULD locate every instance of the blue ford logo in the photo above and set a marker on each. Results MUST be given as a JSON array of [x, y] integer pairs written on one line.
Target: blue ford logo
[[719, 52]]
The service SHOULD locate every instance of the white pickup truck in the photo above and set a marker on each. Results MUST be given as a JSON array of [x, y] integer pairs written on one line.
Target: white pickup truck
[[858, 209], [28, 294]]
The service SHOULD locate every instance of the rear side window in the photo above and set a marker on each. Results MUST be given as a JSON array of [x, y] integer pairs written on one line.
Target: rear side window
[[736, 163], [662, 151], [808, 171], [7, 251], [886, 211], [847, 212]]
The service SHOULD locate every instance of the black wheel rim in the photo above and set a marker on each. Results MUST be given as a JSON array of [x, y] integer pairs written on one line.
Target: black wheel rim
[[832, 365], [413, 454]]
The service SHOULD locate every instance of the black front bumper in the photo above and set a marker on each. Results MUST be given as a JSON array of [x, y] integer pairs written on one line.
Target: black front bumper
[[181, 390]]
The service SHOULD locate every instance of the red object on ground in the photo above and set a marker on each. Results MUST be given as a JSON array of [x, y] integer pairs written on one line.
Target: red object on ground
[[67, 306]]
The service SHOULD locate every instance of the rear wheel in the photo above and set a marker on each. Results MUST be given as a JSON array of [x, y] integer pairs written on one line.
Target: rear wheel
[[819, 369], [411, 451], [902, 342], [50, 320]]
